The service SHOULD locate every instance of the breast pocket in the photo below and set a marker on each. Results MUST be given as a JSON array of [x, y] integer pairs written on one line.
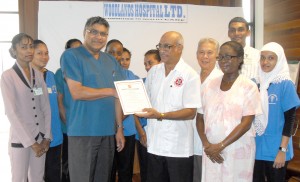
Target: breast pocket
[[174, 98]]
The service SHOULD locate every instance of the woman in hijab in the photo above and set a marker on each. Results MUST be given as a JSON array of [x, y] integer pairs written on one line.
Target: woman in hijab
[[274, 128]]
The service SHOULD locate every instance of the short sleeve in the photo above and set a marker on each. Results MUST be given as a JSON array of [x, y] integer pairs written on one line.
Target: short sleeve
[[289, 96], [71, 66], [59, 80]]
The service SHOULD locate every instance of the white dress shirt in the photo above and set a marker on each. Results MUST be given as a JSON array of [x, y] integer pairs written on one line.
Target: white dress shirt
[[179, 90], [251, 62]]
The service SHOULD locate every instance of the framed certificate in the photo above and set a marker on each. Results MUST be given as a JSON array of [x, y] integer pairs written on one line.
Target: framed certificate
[[132, 95]]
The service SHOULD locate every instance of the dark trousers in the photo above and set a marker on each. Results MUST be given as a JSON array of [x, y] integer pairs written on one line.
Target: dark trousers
[[65, 167], [142, 155], [90, 158], [197, 168], [53, 164], [123, 162], [264, 171], [169, 169]]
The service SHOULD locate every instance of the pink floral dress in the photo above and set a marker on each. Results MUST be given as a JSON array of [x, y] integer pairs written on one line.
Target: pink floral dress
[[223, 111]]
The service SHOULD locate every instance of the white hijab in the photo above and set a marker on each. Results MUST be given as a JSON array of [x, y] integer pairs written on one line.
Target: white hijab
[[278, 74]]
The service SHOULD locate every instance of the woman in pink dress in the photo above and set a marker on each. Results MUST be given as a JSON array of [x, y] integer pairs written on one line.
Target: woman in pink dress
[[230, 103]]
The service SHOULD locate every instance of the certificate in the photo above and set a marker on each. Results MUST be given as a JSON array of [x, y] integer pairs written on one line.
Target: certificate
[[132, 95]]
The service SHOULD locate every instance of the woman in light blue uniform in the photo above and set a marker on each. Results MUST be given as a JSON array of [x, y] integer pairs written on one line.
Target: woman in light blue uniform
[[274, 147], [53, 156]]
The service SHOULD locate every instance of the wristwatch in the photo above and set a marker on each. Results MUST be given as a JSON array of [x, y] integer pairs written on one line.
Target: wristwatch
[[282, 149], [120, 126]]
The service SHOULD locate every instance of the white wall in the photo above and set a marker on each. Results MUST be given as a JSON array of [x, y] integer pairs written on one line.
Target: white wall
[[60, 21]]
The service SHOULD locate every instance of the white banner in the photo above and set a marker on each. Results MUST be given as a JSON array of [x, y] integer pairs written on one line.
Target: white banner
[[154, 12], [60, 21]]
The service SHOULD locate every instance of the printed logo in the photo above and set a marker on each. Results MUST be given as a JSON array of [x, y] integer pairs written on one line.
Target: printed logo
[[273, 99], [178, 82]]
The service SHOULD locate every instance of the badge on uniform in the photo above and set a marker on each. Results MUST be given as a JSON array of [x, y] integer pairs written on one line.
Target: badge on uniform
[[178, 82], [49, 90], [37, 91]]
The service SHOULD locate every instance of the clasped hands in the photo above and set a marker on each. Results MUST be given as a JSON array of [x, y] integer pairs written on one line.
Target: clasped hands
[[213, 152], [41, 148]]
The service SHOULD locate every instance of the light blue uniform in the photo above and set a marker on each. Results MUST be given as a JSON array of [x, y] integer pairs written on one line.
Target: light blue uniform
[[282, 97], [55, 119]]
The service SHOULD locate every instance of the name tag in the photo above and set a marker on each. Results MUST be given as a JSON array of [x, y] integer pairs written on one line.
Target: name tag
[[49, 90], [37, 91]]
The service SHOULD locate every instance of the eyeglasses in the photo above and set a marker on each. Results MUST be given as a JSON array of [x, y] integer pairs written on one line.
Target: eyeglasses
[[226, 57], [95, 33], [165, 46]]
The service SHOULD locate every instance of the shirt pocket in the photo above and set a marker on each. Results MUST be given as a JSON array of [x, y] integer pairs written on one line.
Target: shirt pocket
[[174, 97]]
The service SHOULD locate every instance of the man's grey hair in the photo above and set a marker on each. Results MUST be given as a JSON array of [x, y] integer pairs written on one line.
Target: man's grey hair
[[96, 20], [209, 40]]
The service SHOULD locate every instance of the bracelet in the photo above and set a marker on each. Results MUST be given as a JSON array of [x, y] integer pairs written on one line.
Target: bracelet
[[222, 145], [161, 117]]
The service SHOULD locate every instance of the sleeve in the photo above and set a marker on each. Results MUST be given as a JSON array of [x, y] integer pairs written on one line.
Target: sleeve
[[148, 82], [289, 119], [71, 66], [289, 97], [59, 79], [8, 93], [191, 94], [252, 103]]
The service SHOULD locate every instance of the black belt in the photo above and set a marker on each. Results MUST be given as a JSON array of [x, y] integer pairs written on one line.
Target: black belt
[[19, 145]]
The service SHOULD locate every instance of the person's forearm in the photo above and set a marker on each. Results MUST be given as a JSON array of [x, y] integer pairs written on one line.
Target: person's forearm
[[201, 129], [138, 125], [62, 111], [238, 131], [80, 92], [183, 114], [284, 141], [289, 120], [119, 114]]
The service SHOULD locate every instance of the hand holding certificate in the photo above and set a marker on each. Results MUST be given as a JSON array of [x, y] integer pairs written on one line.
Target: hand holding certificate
[[132, 95]]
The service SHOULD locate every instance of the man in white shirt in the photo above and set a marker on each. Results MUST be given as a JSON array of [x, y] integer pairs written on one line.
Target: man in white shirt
[[173, 88], [238, 30]]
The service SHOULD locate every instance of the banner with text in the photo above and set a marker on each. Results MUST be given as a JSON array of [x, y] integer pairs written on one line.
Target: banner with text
[[154, 12]]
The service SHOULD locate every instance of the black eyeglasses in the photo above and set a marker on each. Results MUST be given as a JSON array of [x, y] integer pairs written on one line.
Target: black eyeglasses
[[165, 46], [95, 33], [226, 57]]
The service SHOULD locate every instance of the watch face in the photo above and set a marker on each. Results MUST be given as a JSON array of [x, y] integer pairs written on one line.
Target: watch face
[[282, 149]]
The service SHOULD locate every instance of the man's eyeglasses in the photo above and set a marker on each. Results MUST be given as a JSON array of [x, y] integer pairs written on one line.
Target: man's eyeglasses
[[165, 46], [226, 57], [95, 33]]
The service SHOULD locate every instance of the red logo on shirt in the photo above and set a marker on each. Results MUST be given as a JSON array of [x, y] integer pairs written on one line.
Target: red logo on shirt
[[178, 82]]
